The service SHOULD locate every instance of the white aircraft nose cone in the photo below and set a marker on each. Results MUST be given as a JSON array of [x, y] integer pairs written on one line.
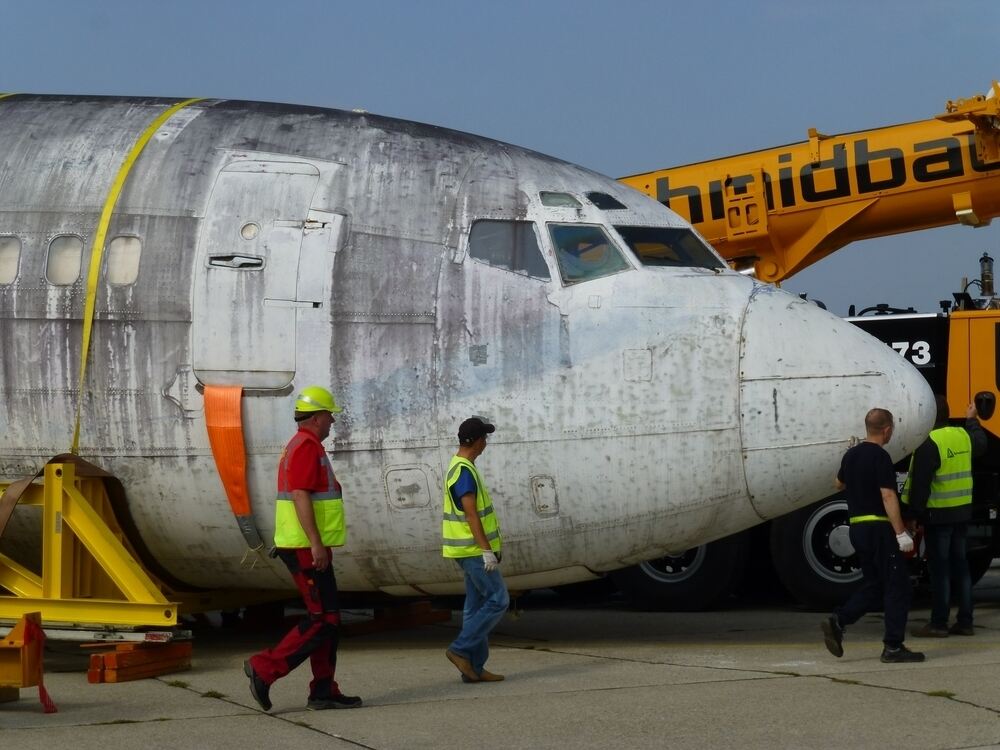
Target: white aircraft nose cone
[[807, 379]]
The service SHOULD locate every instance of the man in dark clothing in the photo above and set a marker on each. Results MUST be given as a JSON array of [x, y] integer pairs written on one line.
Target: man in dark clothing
[[879, 538], [938, 494]]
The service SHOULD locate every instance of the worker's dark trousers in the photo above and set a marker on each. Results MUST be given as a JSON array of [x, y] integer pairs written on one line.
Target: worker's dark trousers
[[886, 581], [946, 546], [315, 637]]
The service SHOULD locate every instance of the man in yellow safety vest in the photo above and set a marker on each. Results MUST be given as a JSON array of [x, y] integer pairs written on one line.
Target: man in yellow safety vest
[[938, 493], [470, 535], [308, 523]]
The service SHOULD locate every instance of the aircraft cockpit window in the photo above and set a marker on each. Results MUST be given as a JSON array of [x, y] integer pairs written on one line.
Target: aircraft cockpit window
[[669, 246], [65, 259], [508, 244], [10, 257], [606, 202], [123, 260], [585, 252], [559, 200]]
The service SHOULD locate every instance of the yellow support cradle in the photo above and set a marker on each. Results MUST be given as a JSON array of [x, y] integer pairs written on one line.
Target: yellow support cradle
[[88, 575]]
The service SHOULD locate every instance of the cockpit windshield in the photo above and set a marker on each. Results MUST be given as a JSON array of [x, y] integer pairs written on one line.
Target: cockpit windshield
[[669, 246], [585, 252]]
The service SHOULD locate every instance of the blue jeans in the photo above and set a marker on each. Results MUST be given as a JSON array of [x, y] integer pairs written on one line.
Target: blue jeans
[[486, 602], [946, 549]]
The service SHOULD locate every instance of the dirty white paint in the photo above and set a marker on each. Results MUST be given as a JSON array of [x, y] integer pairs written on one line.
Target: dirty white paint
[[645, 411]]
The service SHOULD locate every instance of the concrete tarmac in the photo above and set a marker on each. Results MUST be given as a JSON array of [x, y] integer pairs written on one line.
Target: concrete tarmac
[[580, 677]]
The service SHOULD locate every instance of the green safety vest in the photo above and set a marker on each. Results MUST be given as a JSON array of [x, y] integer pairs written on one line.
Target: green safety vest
[[456, 534], [952, 483], [328, 507]]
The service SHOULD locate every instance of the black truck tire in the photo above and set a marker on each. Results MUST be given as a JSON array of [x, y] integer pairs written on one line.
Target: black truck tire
[[813, 556], [980, 561], [697, 579]]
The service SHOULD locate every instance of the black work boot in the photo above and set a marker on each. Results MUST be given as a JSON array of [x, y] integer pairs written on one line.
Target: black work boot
[[900, 655], [259, 689], [333, 701], [833, 635]]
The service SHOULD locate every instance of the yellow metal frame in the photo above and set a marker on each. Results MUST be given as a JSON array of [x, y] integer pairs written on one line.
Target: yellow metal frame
[[88, 574]]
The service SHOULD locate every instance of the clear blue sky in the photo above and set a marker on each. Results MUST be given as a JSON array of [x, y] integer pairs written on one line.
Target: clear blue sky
[[621, 87]]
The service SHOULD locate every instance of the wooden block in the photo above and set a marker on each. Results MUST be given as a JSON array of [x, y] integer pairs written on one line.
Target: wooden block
[[142, 671], [95, 676], [131, 658], [398, 617]]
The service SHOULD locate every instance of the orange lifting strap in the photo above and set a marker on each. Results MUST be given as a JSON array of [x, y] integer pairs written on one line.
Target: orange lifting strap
[[224, 419]]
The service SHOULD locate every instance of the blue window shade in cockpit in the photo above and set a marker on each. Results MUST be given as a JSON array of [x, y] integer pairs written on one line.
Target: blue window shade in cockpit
[[585, 252], [512, 245], [669, 246]]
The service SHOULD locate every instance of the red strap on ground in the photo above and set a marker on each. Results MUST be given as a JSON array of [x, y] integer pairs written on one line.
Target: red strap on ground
[[33, 632]]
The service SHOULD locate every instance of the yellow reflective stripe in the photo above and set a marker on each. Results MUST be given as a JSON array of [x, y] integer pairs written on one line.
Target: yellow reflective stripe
[[952, 477], [4, 96], [866, 519], [464, 542], [963, 499], [948, 494], [97, 250], [460, 516]]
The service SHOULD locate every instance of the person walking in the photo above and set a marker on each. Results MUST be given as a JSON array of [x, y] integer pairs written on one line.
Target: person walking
[[879, 538], [308, 522], [470, 534], [938, 492]]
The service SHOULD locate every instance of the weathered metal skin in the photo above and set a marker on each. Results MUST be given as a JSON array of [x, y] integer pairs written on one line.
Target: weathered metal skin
[[638, 413]]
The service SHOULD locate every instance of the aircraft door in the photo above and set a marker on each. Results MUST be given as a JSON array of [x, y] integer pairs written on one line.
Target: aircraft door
[[245, 289]]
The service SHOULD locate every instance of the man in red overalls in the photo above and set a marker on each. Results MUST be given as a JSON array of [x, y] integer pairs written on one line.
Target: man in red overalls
[[309, 521]]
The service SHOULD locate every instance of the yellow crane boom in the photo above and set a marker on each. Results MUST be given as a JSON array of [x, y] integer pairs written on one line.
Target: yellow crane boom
[[781, 209]]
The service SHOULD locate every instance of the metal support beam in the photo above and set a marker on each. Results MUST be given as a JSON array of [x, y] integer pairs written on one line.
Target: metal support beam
[[88, 574]]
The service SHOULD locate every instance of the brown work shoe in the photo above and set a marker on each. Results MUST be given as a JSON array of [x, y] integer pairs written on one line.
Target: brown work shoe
[[463, 665], [485, 676], [957, 629], [930, 630]]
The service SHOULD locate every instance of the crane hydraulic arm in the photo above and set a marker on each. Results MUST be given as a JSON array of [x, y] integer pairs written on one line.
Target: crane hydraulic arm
[[782, 209]]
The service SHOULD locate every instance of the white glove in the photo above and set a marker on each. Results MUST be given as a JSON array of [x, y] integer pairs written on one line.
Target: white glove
[[491, 563], [905, 541]]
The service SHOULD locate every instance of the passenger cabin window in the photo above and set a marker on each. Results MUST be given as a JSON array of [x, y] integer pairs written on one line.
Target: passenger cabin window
[[606, 202], [585, 252], [123, 260], [669, 246], [559, 200], [10, 258], [508, 244], [64, 261]]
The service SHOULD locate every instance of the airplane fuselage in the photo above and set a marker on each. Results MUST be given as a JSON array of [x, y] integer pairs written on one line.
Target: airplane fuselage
[[646, 398]]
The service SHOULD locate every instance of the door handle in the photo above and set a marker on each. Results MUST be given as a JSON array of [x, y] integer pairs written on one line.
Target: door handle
[[239, 262]]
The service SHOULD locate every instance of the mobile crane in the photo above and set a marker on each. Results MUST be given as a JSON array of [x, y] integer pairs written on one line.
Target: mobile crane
[[777, 211]]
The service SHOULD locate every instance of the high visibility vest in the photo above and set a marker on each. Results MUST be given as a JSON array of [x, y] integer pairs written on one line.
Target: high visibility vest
[[327, 505], [952, 483], [456, 534]]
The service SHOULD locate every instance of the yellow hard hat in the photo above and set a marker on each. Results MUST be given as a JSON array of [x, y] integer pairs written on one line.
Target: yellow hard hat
[[315, 398]]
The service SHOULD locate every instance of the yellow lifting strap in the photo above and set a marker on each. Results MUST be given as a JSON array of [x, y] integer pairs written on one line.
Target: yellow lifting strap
[[224, 420], [97, 250]]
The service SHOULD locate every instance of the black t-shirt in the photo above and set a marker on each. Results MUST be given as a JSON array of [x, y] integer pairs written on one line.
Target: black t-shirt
[[866, 469]]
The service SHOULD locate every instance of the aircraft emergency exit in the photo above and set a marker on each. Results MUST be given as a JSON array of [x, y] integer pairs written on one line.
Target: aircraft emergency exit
[[647, 398]]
